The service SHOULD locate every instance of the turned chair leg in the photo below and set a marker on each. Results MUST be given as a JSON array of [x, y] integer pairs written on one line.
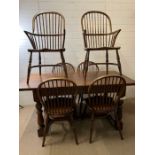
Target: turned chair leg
[[107, 62], [39, 63], [73, 129], [85, 68], [118, 123], [81, 104], [119, 63], [64, 65], [47, 125], [91, 127], [29, 68]]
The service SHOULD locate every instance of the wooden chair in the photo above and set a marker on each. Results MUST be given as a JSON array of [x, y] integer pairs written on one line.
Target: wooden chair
[[104, 95], [57, 96], [92, 66], [98, 36], [58, 68], [48, 35]]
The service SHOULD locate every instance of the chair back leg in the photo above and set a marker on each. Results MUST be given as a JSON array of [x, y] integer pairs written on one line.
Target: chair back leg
[[91, 128]]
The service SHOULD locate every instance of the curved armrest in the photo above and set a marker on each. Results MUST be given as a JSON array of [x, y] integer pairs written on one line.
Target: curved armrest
[[46, 50], [100, 40], [45, 42], [31, 38], [114, 36]]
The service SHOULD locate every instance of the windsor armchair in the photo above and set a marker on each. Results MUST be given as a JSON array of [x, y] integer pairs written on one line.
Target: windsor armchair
[[104, 95], [98, 36], [48, 35], [57, 96]]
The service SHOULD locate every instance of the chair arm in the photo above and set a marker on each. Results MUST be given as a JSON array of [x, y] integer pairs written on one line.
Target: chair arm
[[46, 42], [46, 50], [107, 39]]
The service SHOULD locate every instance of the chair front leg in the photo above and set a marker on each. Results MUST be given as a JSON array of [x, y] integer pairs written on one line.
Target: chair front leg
[[64, 64], [39, 63], [118, 123], [47, 125], [107, 62], [85, 68], [91, 127], [119, 62], [29, 68]]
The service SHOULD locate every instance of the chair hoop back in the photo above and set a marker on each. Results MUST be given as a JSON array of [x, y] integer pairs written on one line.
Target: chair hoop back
[[58, 68], [56, 93], [92, 66], [96, 22], [48, 23], [106, 90], [97, 30], [48, 31]]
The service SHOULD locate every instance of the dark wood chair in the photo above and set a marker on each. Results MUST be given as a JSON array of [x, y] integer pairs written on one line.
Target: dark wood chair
[[58, 99], [98, 36], [92, 66], [104, 95], [58, 69], [48, 35]]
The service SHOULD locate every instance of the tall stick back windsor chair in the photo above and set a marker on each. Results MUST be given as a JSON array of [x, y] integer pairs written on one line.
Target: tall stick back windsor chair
[[48, 35], [98, 36]]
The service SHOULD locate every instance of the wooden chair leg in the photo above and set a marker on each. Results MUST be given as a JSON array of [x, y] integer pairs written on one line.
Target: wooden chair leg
[[47, 124], [84, 111], [107, 62], [119, 126], [81, 104], [64, 65], [119, 63], [39, 63], [29, 68], [85, 68], [73, 129], [91, 127]]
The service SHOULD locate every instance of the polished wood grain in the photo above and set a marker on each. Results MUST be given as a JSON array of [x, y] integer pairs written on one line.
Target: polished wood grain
[[77, 77]]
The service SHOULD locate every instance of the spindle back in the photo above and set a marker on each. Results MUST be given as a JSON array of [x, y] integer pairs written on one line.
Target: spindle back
[[57, 94]]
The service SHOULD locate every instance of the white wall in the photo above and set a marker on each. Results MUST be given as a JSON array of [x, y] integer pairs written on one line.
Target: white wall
[[121, 13]]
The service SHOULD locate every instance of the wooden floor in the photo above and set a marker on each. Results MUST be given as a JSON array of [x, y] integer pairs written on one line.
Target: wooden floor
[[61, 141]]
